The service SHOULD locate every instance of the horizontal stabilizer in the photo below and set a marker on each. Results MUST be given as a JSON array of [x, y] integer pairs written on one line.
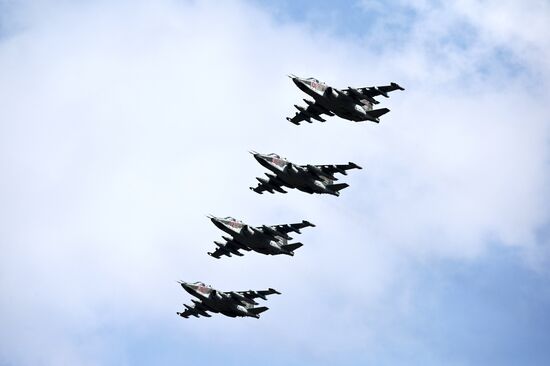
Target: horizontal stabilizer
[[258, 310], [378, 112], [337, 187], [292, 247]]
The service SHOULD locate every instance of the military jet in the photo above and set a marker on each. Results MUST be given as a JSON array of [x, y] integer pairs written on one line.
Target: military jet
[[232, 304], [354, 104], [271, 240], [306, 178]]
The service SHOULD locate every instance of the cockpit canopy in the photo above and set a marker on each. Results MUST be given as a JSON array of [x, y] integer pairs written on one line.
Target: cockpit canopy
[[273, 155], [232, 219], [313, 80], [201, 284]]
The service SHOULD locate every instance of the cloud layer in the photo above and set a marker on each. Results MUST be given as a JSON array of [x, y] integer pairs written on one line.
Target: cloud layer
[[124, 124]]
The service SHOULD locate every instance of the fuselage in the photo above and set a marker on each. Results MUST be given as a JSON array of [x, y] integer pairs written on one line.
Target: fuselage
[[295, 176], [334, 100], [253, 238], [217, 301]]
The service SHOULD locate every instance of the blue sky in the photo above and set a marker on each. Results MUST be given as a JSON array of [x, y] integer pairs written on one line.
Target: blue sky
[[124, 123], [491, 310]]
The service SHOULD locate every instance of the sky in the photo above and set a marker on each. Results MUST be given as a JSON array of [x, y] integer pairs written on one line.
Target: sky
[[124, 123]]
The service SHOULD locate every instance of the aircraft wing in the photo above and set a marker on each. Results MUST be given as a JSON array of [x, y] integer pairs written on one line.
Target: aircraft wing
[[227, 248], [286, 228], [314, 110], [272, 184], [373, 91], [338, 168], [251, 294], [196, 310]]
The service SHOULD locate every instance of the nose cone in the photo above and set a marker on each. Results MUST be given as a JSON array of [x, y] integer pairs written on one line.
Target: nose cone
[[259, 157], [302, 84], [218, 222], [256, 155], [299, 83], [186, 286]]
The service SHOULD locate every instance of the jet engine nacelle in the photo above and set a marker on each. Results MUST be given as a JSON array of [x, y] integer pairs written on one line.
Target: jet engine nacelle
[[319, 185], [214, 295], [317, 171], [332, 93], [290, 168], [246, 230], [242, 310], [242, 299], [361, 110]]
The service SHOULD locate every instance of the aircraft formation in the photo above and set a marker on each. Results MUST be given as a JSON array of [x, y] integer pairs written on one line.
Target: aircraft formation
[[353, 104]]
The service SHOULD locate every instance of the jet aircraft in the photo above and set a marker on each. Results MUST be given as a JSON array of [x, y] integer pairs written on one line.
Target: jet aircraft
[[306, 178], [354, 104], [232, 304], [270, 240]]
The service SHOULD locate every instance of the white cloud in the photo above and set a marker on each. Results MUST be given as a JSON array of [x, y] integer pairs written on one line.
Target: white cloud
[[122, 125]]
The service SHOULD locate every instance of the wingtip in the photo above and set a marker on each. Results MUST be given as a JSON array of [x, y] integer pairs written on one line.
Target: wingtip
[[397, 86], [291, 121]]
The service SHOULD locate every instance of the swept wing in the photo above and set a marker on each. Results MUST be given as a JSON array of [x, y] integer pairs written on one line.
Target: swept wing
[[251, 294], [330, 170], [228, 248], [370, 92], [286, 228], [314, 110], [272, 184], [197, 310]]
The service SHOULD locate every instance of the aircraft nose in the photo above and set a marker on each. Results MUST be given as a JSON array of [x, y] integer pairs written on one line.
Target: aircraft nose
[[219, 223], [300, 82], [185, 285], [259, 157]]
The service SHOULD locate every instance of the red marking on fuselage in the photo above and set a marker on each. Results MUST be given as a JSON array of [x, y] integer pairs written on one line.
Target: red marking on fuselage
[[203, 289], [279, 162], [234, 224]]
